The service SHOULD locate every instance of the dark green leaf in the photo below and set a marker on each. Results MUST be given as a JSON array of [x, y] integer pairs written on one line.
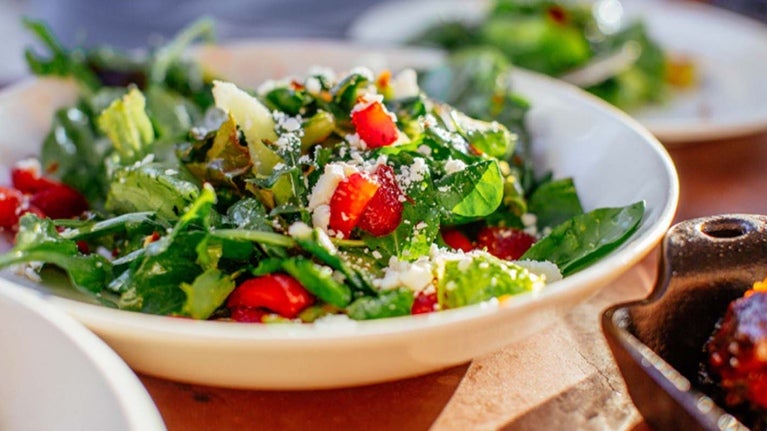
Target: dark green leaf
[[318, 280], [580, 241], [554, 202]]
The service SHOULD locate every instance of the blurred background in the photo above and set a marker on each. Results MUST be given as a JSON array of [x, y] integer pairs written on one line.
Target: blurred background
[[133, 23]]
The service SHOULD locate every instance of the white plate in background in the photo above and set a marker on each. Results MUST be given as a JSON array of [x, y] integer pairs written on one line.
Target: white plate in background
[[729, 50], [57, 375]]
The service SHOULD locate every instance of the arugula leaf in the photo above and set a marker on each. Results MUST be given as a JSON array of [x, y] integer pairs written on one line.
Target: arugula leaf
[[151, 187], [61, 61], [153, 283], [578, 242], [248, 214], [168, 55], [39, 241]]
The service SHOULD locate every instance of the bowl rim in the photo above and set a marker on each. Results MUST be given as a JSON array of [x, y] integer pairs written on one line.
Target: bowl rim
[[598, 274]]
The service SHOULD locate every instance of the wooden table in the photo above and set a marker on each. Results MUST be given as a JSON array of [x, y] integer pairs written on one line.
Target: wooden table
[[563, 377]]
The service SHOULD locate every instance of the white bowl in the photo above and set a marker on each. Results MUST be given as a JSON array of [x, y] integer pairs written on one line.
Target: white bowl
[[613, 160], [57, 375]]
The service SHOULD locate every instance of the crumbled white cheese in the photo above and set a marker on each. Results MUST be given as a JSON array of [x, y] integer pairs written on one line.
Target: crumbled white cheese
[[415, 276], [453, 165], [313, 85], [326, 185], [364, 71], [321, 217], [300, 230], [405, 84], [424, 149], [530, 221]]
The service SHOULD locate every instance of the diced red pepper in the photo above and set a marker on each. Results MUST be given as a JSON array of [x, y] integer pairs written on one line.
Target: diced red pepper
[[349, 201], [374, 125], [504, 242], [456, 240], [424, 303], [383, 213], [277, 292]]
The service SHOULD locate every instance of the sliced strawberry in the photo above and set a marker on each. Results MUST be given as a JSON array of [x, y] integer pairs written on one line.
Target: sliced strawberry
[[424, 303], [11, 201], [277, 292], [374, 125], [456, 240], [348, 202], [383, 213], [27, 178], [59, 201], [504, 242], [248, 314]]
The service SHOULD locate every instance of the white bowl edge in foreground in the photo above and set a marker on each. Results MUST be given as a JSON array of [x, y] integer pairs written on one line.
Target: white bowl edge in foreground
[[58, 375]]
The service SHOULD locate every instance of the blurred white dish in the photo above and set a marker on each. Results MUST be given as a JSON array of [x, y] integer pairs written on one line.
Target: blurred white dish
[[729, 51], [613, 160], [57, 375]]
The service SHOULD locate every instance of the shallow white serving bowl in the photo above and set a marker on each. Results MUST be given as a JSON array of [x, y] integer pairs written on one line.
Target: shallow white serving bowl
[[57, 375], [612, 159]]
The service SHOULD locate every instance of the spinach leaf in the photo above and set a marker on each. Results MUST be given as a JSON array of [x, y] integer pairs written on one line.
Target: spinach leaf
[[475, 191], [554, 202], [582, 240]]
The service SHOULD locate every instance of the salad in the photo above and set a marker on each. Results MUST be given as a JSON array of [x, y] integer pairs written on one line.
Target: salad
[[587, 44], [166, 191]]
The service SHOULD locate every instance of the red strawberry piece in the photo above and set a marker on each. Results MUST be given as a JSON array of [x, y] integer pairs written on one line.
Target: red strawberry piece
[[277, 292], [374, 125], [424, 303], [383, 213], [349, 201], [504, 242], [248, 314], [59, 201], [456, 240], [26, 177], [11, 201]]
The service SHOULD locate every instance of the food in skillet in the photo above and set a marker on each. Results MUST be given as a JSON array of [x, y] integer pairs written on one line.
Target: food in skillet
[[334, 193], [737, 356]]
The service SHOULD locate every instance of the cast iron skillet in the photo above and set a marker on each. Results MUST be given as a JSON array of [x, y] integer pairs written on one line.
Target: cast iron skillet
[[658, 342]]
